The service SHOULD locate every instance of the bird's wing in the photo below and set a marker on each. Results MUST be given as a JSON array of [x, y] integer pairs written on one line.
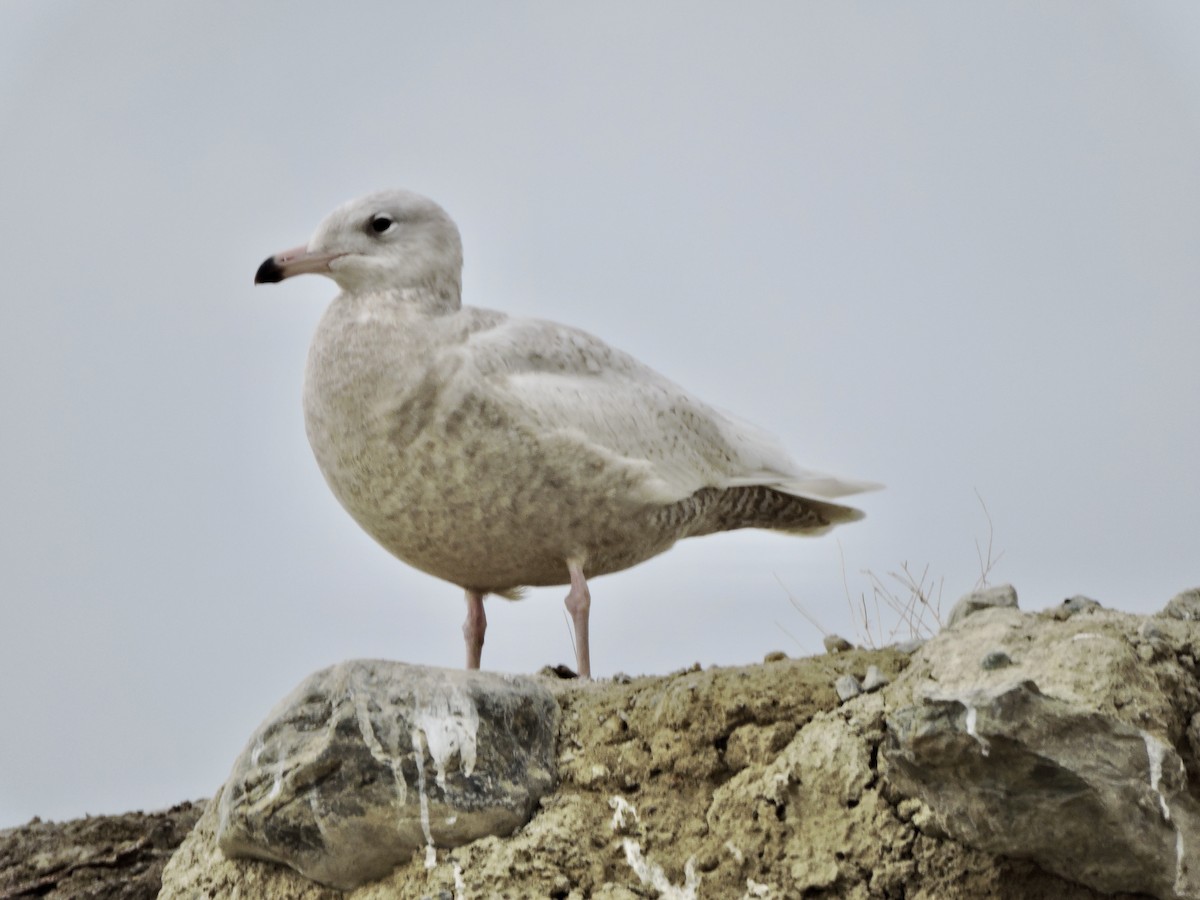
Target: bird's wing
[[569, 384]]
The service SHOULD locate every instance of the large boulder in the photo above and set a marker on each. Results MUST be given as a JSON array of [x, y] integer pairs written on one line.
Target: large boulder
[[1074, 754], [369, 762], [1017, 773]]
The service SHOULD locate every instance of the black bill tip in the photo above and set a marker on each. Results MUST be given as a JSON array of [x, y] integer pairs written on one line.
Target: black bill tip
[[269, 272]]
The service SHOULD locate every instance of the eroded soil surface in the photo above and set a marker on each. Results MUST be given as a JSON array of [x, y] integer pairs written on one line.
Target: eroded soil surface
[[102, 857]]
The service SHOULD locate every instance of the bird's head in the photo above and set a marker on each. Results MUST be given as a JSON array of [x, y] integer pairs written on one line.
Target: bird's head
[[386, 241]]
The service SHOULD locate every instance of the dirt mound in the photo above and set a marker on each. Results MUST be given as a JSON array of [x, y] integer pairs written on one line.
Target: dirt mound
[[749, 782], [104, 857]]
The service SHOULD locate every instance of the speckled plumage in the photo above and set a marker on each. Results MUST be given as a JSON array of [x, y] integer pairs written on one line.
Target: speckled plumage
[[489, 451]]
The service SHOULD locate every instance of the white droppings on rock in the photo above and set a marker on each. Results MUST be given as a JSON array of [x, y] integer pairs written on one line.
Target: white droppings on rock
[[362, 715], [756, 890], [1156, 750], [652, 874], [779, 782], [972, 719], [736, 852], [1085, 636], [419, 753], [392, 760], [622, 807], [460, 884], [318, 817], [450, 722], [1179, 870], [339, 755]]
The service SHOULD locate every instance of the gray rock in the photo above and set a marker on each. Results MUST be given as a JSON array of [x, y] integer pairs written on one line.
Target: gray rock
[[835, 643], [874, 679], [1185, 605], [912, 645], [997, 659], [985, 598], [369, 761], [847, 687], [1078, 604], [1010, 771]]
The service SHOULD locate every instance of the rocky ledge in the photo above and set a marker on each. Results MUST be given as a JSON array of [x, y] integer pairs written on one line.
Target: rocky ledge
[[1014, 755], [99, 857]]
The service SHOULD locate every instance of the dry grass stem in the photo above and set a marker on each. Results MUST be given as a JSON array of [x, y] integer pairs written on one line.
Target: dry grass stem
[[988, 562], [903, 604]]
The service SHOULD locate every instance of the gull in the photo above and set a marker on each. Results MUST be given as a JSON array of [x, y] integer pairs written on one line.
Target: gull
[[497, 452]]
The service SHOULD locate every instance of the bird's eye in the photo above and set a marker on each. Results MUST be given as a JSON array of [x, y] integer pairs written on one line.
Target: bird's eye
[[381, 224]]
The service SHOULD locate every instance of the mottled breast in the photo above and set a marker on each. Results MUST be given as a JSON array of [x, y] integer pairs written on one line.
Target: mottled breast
[[445, 474]]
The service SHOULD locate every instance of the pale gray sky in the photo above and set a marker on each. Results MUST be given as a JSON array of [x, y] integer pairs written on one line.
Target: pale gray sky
[[950, 247]]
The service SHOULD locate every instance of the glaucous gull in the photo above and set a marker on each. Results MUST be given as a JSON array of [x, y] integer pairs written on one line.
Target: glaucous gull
[[497, 452]]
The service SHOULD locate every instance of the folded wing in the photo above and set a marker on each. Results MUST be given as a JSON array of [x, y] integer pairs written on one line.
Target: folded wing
[[571, 385]]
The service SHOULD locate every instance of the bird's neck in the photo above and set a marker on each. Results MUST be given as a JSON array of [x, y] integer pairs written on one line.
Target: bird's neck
[[439, 294], [431, 296]]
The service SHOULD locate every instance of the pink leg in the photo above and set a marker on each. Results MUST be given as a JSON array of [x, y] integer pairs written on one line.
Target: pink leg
[[474, 628], [579, 601]]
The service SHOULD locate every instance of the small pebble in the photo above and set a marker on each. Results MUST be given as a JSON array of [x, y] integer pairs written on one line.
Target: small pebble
[[775, 656], [874, 680], [835, 643], [847, 687], [1079, 603], [997, 659], [560, 671]]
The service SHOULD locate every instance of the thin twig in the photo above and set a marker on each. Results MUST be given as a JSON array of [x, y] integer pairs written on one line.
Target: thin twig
[[985, 565], [795, 640], [799, 608]]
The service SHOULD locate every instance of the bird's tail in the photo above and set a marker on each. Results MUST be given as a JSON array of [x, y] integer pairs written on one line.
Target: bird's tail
[[764, 506]]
